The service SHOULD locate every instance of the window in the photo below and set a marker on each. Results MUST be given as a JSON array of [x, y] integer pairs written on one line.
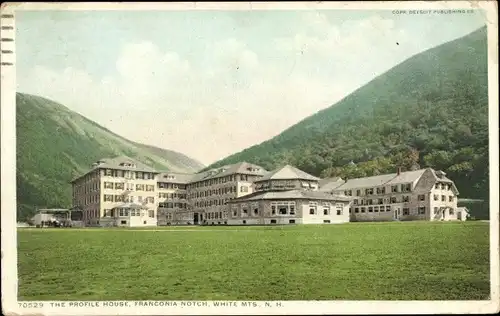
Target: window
[[151, 213], [450, 198], [108, 198], [292, 221], [370, 209], [363, 210], [436, 197], [282, 210], [406, 187], [356, 210], [406, 198], [292, 209], [452, 211], [358, 192], [326, 210], [109, 172], [421, 197], [421, 210], [123, 222], [394, 188], [150, 188], [394, 199], [139, 187], [119, 186], [443, 198], [273, 209], [375, 209], [381, 190], [273, 221], [406, 211], [369, 191], [118, 198], [326, 221], [244, 222], [380, 201], [312, 211], [108, 185]]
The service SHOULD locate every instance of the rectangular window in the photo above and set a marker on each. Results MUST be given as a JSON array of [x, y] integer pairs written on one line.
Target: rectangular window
[[421, 197], [363, 210], [326, 221], [312, 211], [406, 187], [375, 209], [450, 198], [119, 186], [443, 198], [394, 199], [356, 210], [452, 211], [370, 209], [421, 210], [436, 197], [406, 211], [108, 185], [358, 192], [292, 209], [326, 211], [406, 198]]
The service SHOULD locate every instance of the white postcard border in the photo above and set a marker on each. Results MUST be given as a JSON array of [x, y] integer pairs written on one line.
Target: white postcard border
[[11, 306]]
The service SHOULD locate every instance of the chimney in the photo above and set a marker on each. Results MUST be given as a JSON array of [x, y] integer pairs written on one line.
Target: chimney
[[399, 171]]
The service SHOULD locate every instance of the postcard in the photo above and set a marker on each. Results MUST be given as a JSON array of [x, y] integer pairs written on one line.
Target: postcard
[[267, 158]]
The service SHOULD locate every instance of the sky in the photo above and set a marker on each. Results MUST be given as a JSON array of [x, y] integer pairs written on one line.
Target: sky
[[212, 83]]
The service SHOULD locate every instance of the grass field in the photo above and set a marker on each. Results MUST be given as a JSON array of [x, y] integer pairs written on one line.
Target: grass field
[[354, 261]]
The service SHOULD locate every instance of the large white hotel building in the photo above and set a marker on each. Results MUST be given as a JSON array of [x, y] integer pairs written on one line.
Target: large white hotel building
[[123, 192]]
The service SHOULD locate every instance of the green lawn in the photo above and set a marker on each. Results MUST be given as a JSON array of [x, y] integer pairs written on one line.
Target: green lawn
[[354, 261]]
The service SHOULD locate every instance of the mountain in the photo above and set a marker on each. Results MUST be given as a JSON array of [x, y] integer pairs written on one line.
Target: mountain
[[55, 144], [430, 110]]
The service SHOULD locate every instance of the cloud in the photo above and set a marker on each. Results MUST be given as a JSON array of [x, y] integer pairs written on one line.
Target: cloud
[[228, 97]]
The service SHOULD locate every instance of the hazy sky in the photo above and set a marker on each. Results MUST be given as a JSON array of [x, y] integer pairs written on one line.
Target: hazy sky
[[211, 83]]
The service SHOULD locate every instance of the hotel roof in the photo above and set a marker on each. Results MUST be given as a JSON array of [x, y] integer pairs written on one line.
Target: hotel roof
[[237, 168], [174, 177], [117, 163], [384, 179], [291, 195], [287, 173]]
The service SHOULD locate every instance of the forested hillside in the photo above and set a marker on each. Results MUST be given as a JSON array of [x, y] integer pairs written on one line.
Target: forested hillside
[[431, 110], [55, 144]]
